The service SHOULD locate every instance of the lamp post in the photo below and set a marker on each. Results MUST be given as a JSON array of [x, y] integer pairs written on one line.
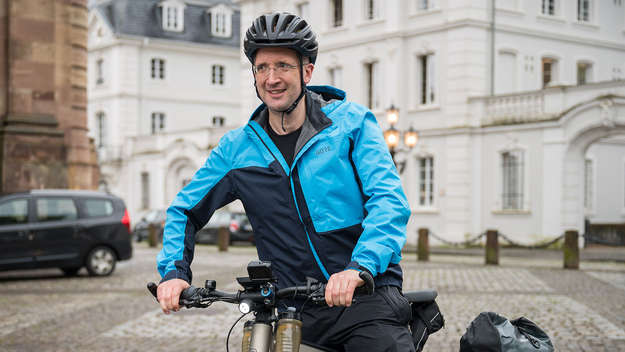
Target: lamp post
[[392, 136]]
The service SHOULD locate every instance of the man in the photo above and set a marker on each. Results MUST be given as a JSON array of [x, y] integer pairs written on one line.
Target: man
[[320, 190]]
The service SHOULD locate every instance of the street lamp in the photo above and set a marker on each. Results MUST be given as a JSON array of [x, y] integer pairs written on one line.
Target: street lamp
[[392, 136]]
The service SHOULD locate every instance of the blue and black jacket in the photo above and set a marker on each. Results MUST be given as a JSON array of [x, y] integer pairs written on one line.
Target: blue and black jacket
[[339, 206]]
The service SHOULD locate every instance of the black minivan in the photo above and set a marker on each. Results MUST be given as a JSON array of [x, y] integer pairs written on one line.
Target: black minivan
[[67, 229]]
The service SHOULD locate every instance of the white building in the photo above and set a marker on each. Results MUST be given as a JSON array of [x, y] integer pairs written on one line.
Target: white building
[[517, 108], [163, 87]]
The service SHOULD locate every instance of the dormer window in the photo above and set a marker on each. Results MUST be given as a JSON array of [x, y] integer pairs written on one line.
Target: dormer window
[[173, 15], [221, 21]]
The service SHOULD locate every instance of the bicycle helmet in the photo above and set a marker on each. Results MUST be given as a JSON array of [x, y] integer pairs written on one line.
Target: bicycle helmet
[[280, 30]]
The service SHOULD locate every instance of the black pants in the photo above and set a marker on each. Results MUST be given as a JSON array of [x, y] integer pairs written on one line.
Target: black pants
[[376, 323]]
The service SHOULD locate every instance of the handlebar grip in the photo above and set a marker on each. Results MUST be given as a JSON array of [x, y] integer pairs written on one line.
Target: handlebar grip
[[152, 288], [369, 285]]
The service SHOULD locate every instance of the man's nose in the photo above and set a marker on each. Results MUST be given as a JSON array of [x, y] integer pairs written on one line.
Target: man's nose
[[273, 76]]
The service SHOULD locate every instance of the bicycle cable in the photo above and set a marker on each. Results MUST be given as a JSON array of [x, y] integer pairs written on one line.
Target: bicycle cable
[[229, 332]]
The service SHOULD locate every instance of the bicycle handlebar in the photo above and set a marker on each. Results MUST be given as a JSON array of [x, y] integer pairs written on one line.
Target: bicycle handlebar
[[202, 297]]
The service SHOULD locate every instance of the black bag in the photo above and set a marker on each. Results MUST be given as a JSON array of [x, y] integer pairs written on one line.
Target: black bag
[[492, 332], [426, 319]]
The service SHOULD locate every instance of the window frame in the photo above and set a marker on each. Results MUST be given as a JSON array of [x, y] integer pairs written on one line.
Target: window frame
[[101, 129], [157, 69], [588, 71], [337, 14], [426, 90], [590, 11], [218, 79], [29, 215], [144, 179], [335, 76], [545, 7], [99, 71], [41, 198], [429, 5], [429, 187], [221, 21], [372, 77], [521, 179], [554, 72], [157, 122], [172, 16]]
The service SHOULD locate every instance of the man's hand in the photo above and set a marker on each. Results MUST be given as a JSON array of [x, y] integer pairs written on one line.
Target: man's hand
[[341, 286], [168, 294]]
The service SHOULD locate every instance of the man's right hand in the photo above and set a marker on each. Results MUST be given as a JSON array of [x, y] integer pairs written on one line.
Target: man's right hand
[[168, 293]]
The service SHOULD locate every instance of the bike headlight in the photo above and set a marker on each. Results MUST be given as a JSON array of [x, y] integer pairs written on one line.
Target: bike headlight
[[245, 307]]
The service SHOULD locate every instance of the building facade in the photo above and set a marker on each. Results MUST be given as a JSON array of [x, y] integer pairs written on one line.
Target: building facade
[[43, 121], [520, 108], [163, 88]]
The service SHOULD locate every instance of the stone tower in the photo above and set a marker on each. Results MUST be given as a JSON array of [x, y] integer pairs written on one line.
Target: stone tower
[[43, 77]]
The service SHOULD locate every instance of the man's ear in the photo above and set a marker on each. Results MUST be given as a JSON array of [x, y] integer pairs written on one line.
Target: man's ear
[[308, 71]]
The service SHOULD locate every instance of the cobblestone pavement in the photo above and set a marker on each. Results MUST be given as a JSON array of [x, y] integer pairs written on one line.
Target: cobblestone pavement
[[582, 310]]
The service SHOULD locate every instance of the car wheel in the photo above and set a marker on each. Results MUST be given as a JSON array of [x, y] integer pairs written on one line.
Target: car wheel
[[101, 261], [70, 271]]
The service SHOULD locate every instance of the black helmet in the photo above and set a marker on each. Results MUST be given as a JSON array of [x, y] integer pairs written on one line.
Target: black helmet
[[280, 30]]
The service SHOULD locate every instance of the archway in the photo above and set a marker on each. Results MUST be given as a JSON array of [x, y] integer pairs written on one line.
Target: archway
[[587, 124]]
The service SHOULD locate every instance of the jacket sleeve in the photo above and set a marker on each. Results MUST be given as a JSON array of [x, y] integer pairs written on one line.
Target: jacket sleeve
[[210, 189], [386, 206]]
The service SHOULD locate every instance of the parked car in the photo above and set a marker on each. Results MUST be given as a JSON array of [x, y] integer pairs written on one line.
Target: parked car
[[238, 225], [153, 217], [67, 229]]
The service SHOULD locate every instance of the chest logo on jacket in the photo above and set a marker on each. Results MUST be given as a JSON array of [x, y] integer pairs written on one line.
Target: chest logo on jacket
[[323, 149]]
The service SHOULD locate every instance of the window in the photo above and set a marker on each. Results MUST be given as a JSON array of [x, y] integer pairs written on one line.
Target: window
[[426, 79], [14, 212], [371, 8], [512, 169], [101, 130], [337, 13], [219, 121], [549, 7], [158, 69], [618, 2], [173, 16], [426, 181], [425, 5], [588, 184], [584, 11], [145, 190], [56, 209], [98, 208], [372, 85], [549, 71], [218, 75], [221, 20], [100, 71], [584, 72], [158, 122], [303, 9], [336, 76]]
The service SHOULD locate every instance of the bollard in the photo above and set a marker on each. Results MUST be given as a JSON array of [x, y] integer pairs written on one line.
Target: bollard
[[423, 249], [492, 247], [152, 235], [223, 239], [571, 250]]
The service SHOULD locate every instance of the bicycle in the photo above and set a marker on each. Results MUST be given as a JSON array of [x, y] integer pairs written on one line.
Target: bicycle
[[269, 332]]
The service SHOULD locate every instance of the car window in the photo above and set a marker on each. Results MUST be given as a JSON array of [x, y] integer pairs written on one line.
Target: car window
[[14, 212], [98, 207], [54, 209]]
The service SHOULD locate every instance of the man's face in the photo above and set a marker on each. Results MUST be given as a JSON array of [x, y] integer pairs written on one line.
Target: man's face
[[278, 83]]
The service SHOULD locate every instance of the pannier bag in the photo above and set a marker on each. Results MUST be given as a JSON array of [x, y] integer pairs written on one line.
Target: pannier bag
[[492, 332], [426, 319]]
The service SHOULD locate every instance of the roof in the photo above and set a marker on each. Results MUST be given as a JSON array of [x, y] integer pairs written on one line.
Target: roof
[[143, 18], [61, 192]]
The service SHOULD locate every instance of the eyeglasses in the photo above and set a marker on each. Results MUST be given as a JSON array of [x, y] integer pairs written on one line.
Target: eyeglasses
[[280, 68]]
